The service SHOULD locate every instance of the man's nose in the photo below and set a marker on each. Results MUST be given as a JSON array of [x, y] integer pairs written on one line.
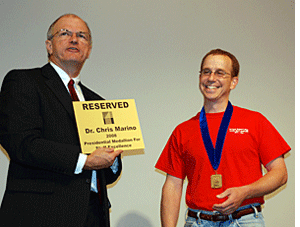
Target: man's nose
[[212, 76], [74, 38]]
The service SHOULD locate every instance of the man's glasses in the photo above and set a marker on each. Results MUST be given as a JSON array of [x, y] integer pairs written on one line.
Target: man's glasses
[[218, 73], [66, 34]]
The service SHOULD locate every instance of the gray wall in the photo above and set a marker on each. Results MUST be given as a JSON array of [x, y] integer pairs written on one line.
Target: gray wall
[[151, 51]]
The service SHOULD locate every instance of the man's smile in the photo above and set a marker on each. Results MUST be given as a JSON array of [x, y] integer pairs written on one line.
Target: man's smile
[[211, 87]]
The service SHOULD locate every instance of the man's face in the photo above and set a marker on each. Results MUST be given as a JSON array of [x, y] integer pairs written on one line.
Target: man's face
[[66, 50], [213, 87]]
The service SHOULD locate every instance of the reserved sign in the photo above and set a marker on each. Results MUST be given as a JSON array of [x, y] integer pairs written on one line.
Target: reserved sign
[[108, 123]]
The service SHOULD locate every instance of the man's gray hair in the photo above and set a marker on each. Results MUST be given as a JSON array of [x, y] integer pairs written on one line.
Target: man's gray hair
[[50, 30]]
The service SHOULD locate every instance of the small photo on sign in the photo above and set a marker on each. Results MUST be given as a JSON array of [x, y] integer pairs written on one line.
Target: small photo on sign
[[108, 118]]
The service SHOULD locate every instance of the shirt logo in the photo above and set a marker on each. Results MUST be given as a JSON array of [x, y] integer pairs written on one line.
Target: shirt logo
[[239, 130]]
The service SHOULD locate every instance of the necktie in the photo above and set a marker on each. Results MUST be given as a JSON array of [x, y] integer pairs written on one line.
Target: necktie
[[72, 91]]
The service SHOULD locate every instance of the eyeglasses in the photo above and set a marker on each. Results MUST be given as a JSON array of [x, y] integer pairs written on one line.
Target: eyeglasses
[[66, 34], [218, 73]]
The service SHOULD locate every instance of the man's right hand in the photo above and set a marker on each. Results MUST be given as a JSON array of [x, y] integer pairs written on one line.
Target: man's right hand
[[101, 158]]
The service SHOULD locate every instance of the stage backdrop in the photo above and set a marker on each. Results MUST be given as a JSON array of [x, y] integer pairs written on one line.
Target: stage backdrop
[[150, 51]]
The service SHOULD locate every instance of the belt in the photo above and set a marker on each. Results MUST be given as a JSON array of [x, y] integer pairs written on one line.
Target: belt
[[221, 217]]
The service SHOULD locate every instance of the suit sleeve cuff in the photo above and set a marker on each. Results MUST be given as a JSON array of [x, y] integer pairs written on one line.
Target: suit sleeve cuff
[[80, 163]]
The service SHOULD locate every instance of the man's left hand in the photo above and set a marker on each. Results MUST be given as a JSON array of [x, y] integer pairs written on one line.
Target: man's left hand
[[235, 198]]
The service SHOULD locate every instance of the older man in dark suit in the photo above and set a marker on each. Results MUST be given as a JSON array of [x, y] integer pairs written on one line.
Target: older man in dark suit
[[50, 182]]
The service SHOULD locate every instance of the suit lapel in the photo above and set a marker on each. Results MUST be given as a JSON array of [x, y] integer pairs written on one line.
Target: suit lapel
[[88, 94], [54, 82]]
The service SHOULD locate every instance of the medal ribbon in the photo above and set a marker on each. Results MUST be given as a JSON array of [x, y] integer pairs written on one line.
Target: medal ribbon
[[214, 154]]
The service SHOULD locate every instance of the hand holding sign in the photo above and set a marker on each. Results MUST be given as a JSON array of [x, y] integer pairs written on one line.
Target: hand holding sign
[[101, 158]]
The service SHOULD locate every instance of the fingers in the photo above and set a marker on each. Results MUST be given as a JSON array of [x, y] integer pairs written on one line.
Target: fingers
[[235, 197], [101, 158], [108, 150], [228, 206], [118, 152], [224, 208], [224, 194], [102, 149]]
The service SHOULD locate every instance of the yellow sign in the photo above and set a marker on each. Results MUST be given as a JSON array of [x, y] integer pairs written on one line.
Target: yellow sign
[[110, 124]]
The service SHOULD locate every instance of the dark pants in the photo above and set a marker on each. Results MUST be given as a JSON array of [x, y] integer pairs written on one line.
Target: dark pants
[[95, 216]]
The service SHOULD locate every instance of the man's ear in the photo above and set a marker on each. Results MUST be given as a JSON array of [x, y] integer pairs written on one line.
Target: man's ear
[[90, 50], [49, 46], [234, 82]]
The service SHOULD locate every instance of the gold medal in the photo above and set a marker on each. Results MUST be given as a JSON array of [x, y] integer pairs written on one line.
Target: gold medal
[[216, 181]]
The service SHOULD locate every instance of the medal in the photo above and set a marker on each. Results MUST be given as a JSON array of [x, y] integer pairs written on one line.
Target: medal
[[214, 154], [216, 181]]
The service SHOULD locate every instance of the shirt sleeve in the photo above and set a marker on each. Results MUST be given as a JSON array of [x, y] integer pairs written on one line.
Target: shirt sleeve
[[271, 143], [115, 166], [171, 159], [80, 163]]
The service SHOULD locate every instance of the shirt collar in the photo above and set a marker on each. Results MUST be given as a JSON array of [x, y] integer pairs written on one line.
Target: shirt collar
[[64, 76]]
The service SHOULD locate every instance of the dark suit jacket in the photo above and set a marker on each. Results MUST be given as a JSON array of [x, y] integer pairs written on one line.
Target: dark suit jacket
[[38, 131]]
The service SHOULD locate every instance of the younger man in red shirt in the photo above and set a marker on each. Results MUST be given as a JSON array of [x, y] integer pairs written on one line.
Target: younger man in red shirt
[[220, 151]]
